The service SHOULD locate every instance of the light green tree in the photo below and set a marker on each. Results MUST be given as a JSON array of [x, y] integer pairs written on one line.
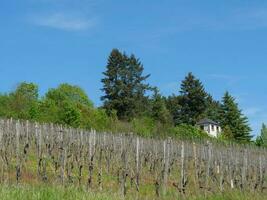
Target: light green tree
[[66, 104], [23, 102]]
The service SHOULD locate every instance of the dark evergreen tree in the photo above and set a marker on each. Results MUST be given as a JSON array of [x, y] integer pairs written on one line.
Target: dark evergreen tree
[[174, 107], [232, 117], [124, 86], [213, 109], [112, 82], [193, 100]]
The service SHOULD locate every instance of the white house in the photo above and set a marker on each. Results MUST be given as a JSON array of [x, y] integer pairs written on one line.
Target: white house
[[209, 126]]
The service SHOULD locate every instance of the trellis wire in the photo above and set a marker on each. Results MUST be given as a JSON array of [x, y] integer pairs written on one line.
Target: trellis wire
[[85, 158]]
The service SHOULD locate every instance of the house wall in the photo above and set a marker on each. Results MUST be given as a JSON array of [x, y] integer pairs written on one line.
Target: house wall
[[212, 130]]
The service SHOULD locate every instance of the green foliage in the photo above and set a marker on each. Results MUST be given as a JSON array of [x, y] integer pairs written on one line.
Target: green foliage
[[174, 107], [64, 105], [264, 134], [213, 109], [143, 126], [193, 100], [99, 120], [70, 105], [127, 106], [232, 117], [124, 86], [48, 111], [70, 115], [227, 134], [4, 106], [159, 111], [70, 93], [185, 131], [21, 103], [261, 140], [24, 101]]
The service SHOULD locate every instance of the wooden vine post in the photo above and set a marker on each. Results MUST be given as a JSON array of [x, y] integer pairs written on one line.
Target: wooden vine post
[[18, 168], [166, 165], [183, 178], [137, 164], [79, 156]]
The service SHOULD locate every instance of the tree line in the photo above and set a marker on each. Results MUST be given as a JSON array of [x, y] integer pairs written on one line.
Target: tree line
[[130, 104]]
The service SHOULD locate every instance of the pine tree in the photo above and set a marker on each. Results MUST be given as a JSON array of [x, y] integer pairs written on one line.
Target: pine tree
[[124, 85], [174, 107], [261, 140], [227, 133], [213, 109], [112, 82], [193, 100], [264, 134], [232, 117]]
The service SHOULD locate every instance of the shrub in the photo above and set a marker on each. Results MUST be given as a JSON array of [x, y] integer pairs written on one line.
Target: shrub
[[184, 131]]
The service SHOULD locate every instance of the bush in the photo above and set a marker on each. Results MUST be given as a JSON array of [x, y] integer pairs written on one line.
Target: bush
[[143, 126], [184, 131]]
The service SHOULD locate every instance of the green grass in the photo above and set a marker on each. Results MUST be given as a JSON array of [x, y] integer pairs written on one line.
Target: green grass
[[32, 188], [50, 193], [46, 192]]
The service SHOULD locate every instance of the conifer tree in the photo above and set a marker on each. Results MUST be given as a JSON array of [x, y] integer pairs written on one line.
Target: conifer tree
[[112, 81], [227, 133], [264, 134], [174, 107], [124, 85], [262, 138], [213, 109], [193, 100], [232, 117]]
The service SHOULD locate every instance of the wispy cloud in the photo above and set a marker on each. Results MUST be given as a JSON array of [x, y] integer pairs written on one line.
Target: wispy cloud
[[226, 78], [63, 21], [241, 19], [232, 20]]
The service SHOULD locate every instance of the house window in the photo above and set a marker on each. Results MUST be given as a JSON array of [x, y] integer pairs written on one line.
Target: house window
[[212, 127]]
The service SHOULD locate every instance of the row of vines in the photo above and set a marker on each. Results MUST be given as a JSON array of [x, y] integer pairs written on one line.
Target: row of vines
[[33, 152]]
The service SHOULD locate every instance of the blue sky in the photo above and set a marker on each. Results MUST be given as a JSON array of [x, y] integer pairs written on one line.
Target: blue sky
[[223, 43]]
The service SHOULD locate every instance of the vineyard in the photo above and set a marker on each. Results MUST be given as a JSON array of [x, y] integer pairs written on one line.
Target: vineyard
[[48, 153]]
